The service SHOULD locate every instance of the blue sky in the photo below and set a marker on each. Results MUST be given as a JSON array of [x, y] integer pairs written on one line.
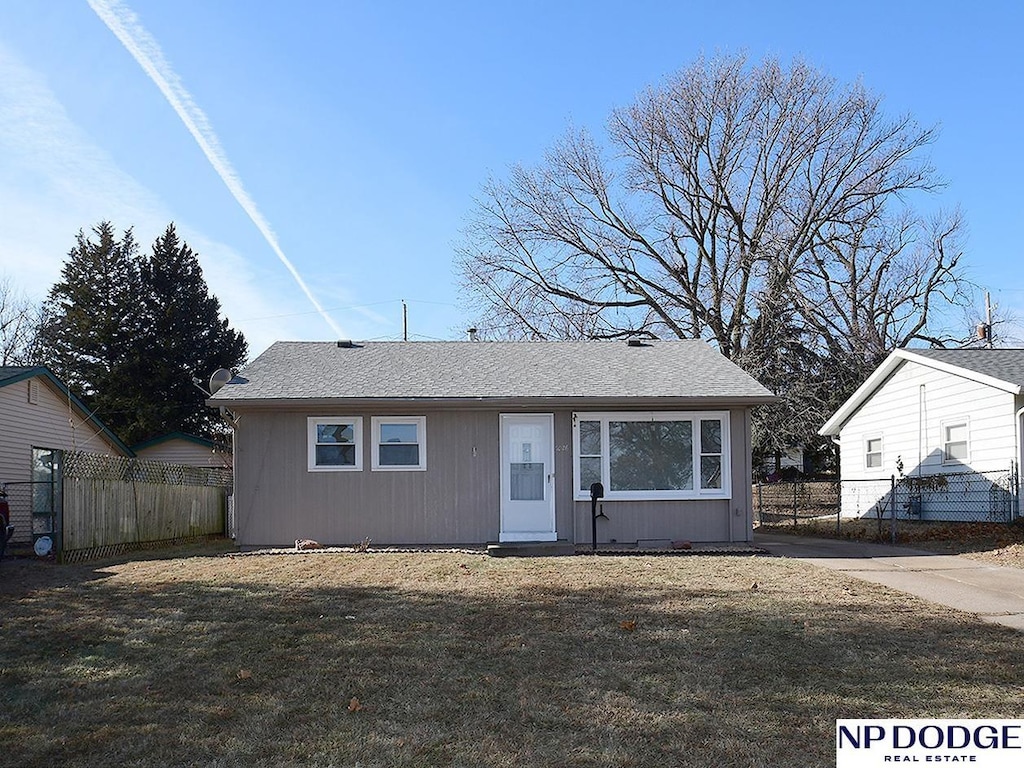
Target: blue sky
[[361, 131]]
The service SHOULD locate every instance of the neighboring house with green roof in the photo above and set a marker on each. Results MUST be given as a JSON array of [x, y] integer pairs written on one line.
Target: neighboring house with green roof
[[948, 421], [40, 420], [431, 443], [186, 449]]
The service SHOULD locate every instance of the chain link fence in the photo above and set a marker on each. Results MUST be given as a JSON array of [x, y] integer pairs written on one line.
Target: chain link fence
[[977, 496], [97, 503]]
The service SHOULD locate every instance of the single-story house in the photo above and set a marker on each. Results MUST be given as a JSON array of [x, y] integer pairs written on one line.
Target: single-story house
[[946, 423], [185, 449], [470, 442], [791, 459], [41, 421]]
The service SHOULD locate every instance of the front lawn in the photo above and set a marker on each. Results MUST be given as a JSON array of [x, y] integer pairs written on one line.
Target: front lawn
[[460, 660]]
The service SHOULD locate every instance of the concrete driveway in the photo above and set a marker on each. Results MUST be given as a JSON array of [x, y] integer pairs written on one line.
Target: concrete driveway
[[994, 593]]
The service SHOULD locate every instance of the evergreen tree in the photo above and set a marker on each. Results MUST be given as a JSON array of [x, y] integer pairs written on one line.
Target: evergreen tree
[[91, 321], [183, 336], [127, 332]]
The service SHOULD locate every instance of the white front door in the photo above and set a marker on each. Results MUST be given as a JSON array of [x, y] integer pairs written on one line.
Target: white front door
[[528, 477]]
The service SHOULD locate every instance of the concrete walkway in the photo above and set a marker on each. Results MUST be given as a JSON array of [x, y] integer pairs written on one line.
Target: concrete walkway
[[993, 593]]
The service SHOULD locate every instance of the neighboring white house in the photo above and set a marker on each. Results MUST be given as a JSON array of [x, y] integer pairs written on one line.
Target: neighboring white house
[[40, 420], [946, 423], [182, 448]]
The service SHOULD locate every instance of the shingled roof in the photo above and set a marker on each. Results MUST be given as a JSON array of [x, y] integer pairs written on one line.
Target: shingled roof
[[485, 370], [1006, 365]]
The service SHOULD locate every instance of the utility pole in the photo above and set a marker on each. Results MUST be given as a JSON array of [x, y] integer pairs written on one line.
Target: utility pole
[[985, 327], [988, 321]]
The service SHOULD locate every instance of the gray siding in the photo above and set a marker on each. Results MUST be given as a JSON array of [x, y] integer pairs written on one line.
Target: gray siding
[[456, 500]]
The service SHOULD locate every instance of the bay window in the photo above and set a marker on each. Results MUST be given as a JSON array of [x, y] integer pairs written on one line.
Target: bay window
[[660, 455]]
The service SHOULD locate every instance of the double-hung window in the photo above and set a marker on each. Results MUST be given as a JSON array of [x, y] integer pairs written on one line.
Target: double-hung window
[[660, 455], [873, 452], [335, 443], [955, 446], [399, 442]]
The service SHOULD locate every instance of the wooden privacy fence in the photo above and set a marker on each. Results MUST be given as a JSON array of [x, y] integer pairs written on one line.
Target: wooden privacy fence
[[111, 504]]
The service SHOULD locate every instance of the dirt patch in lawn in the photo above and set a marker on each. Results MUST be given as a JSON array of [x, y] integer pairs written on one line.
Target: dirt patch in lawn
[[460, 660]]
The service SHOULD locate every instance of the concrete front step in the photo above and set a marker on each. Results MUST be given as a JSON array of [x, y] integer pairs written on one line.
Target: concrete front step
[[531, 548]]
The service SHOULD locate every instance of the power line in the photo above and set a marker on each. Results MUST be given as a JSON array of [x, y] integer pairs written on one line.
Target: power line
[[344, 309]]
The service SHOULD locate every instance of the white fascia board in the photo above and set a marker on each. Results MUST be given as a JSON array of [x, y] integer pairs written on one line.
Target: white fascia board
[[896, 358], [864, 391]]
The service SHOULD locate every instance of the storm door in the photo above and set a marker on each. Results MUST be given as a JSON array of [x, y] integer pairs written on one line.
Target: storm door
[[527, 477]]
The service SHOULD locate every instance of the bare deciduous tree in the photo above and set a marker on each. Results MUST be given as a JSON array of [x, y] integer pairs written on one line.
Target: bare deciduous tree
[[760, 207], [19, 321]]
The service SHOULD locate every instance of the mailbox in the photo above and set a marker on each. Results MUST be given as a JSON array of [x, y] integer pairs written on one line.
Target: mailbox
[[596, 492]]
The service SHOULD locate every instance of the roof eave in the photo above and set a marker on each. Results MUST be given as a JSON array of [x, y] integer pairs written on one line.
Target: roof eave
[[834, 425], [896, 358], [494, 402], [77, 404]]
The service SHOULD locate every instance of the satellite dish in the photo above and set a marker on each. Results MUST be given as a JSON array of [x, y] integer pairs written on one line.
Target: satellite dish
[[219, 378]]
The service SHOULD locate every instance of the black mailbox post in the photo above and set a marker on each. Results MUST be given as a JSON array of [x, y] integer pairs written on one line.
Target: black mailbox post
[[596, 492]]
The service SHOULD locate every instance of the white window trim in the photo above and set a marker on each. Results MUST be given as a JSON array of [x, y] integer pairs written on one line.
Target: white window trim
[[955, 422], [694, 417], [357, 439], [881, 452], [421, 434]]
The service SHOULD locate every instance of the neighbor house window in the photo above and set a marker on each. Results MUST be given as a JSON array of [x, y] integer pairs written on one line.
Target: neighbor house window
[[873, 452], [399, 442], [670, 455], [335, 443], [955, 448]]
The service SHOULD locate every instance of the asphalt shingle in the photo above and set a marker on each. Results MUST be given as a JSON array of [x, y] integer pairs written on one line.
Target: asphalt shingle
[[1003, 364], [499, 370]]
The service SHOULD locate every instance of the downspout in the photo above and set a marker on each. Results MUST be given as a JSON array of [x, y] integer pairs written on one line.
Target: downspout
[[920, 429], [839, 474], [1019, 438]]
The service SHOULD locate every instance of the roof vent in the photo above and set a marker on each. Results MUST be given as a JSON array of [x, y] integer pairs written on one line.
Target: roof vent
[[471, 334], [635, 343], [345, 344]]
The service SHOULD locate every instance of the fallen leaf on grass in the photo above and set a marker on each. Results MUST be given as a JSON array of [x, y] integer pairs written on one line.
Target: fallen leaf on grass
[[354, 705], [629, 625], [244, 674]]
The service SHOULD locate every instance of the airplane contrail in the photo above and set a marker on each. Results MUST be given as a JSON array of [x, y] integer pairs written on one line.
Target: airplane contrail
[[123, 22]]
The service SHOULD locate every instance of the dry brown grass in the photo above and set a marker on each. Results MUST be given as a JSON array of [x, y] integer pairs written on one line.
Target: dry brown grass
[[460, 660]]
